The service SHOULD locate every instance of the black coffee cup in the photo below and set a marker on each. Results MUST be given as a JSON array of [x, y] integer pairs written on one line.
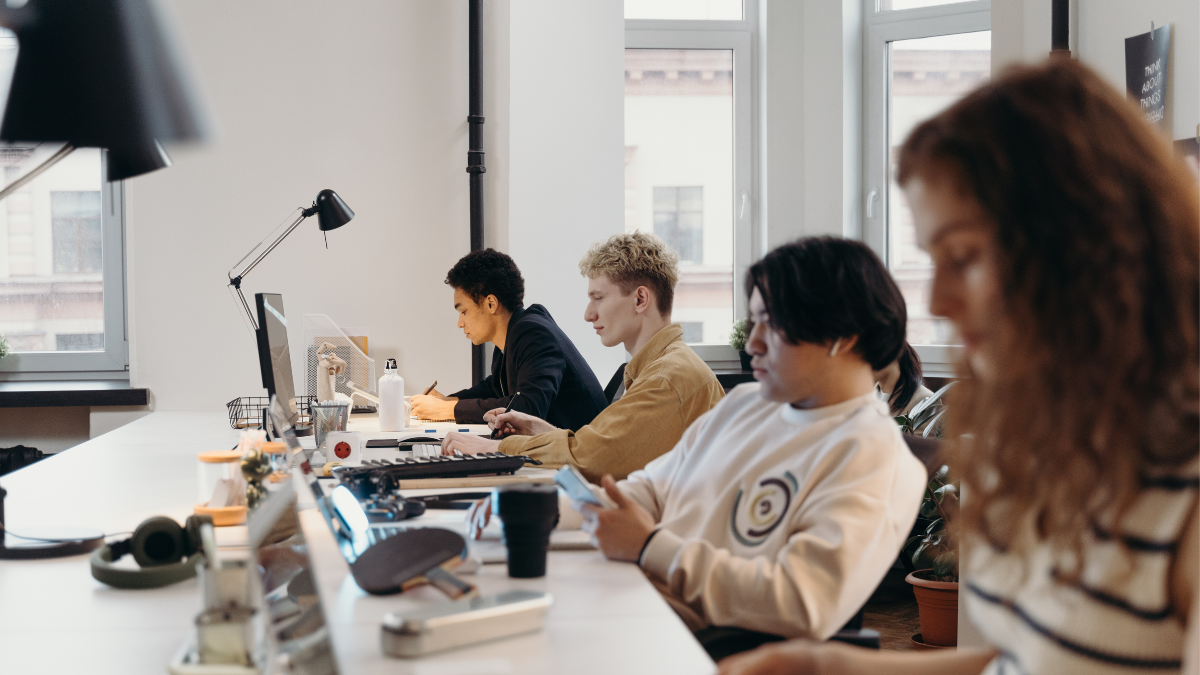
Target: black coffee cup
[[528, 513]]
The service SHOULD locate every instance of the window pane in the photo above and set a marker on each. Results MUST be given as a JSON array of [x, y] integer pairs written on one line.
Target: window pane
[[51, 254], [925, 77], [679, 174], [715, 10], [888, 5]]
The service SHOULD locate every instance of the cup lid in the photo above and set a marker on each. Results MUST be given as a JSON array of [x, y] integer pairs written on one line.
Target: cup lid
[[219, 456]]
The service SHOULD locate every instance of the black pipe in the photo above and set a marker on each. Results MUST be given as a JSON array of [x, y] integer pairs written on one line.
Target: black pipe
[[1060, 27], [475, 165]]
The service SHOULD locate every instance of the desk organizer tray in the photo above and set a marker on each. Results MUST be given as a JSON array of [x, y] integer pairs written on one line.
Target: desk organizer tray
[[383, 476]]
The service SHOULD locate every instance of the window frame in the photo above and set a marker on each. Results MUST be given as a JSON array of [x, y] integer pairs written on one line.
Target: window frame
[[741, 37], [113, 361], [881, 27]]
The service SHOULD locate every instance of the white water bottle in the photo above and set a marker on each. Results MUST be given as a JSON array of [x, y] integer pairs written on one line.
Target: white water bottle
[[392, 413]]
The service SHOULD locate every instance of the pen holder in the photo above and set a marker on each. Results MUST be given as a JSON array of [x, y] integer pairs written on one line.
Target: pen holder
[[228, 586], [328, 417], [225, 635]]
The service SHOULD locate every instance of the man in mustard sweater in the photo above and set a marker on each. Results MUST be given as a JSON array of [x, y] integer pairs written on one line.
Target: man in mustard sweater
[[631, 284]]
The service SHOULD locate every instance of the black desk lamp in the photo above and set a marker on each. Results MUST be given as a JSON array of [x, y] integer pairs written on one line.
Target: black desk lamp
[[91, 73], [97, 73], [331, 213]]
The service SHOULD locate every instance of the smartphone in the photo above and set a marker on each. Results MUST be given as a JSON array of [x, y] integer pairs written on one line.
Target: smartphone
[[579, 490]]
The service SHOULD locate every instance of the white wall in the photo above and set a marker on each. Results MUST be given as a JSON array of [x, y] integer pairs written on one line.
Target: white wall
[[366, 97], [1103, 27], [1021, 33], [811, 118], [566, 153]]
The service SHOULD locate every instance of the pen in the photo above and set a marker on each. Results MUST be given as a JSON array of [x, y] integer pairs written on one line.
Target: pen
[[430, 388], [510, 404]]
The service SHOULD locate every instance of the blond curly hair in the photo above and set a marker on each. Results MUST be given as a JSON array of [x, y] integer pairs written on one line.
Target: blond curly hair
[[635, 259]]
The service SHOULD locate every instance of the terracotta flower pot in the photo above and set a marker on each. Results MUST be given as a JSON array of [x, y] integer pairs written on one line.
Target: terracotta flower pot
[[937, 602]]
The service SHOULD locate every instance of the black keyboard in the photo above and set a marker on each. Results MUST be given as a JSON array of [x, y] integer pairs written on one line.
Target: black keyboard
[[383, 476]]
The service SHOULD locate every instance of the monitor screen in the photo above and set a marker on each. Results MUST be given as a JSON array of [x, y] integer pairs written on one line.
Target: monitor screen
[[274, 357]]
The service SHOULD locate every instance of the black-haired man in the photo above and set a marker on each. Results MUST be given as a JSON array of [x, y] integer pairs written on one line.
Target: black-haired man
[[780, 510], [533, 356]]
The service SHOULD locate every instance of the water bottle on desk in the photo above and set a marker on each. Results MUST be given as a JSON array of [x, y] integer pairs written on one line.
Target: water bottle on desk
[[392, 413]]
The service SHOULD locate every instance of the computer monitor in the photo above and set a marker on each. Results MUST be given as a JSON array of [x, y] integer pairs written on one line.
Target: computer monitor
[[274, 357]]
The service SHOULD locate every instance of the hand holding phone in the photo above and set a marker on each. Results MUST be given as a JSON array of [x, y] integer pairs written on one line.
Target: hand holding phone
[[579, 490]]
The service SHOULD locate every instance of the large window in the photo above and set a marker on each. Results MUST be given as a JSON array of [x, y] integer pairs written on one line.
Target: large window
[[918, 62], [61, 259], [688, 116]]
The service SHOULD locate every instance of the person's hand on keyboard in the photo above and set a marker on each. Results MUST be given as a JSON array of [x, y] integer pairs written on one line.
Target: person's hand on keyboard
[[467, 444], [516, 423]]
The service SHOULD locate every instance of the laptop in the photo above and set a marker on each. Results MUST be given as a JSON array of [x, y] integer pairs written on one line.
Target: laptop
[[383, 559]]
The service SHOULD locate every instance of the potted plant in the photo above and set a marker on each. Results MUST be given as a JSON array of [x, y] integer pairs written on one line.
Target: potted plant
[[926, 416], [935, 559], [3, 347], [737, 340]]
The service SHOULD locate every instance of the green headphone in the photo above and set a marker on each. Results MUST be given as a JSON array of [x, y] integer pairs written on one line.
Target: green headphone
[[166, 552]]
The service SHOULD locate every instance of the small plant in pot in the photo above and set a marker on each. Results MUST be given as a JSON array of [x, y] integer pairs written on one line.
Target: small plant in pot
[[737, 340], [3, 347], [935, 557]]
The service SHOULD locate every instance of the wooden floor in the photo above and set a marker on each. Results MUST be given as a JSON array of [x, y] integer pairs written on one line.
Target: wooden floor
[[892, 611]]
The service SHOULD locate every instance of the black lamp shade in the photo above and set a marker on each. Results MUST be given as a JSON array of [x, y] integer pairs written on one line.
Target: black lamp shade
[[96, 73], [124, 163], [332, 212]]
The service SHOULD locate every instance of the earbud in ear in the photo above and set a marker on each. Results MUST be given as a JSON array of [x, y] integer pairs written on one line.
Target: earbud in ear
[[837, 344]]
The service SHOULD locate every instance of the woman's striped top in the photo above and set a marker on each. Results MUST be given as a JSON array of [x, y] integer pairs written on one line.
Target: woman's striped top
[[1117, 618]]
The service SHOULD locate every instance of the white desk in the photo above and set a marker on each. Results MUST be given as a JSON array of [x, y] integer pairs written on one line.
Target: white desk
[[54, 618]]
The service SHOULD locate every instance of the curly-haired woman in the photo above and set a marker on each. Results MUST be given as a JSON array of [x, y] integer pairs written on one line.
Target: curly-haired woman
[[1066, 240]]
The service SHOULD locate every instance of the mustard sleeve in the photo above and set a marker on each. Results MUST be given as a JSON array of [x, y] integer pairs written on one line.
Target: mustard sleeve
[[644, 423]]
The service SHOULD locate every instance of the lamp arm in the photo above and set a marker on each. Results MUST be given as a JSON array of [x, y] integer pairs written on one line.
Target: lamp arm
[[236, 281], [37, 171]]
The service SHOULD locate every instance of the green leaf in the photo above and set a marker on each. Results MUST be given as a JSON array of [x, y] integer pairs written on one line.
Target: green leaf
[[946, 565], [928, 508], [934, 526], [917, 555]]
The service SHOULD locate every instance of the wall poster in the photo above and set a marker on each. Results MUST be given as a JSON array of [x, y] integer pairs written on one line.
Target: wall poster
[[1146, 61]]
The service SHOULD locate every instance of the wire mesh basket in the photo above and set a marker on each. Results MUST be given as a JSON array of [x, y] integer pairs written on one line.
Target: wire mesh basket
[[245, 412]]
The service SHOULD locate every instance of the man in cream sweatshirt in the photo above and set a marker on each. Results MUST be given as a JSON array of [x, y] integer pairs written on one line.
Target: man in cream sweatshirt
[[781, 509]]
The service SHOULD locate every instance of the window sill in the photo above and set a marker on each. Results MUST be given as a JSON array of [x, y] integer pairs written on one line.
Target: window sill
[[62, 393], [732, 377]]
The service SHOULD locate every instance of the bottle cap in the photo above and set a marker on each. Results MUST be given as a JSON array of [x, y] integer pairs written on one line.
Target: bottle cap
[[390, 365]]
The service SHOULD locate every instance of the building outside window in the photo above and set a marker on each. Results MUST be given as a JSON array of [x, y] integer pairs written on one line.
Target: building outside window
[[61, 258], [75, 222], [679, 221], [688, 92], [922, 56]]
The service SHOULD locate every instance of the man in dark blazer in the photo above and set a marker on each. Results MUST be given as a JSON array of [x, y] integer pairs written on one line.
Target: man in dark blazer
[[533, 356]]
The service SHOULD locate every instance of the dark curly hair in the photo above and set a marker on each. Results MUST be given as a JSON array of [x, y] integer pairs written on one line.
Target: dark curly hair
[[820, 289], [909, 381], [1098, 237], [489, 272]]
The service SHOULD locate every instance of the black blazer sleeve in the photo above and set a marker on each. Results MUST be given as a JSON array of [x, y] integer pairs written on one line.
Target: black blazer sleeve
[[536, 368]]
